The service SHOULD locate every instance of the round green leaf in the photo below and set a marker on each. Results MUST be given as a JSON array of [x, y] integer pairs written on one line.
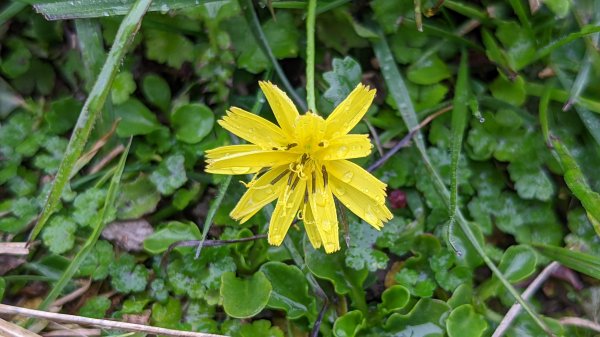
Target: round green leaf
[[394, 298], [290, 290], [243, 298], [173, 232], [465, 322], [430, 70], [518, 263], [156, 91], [349, 324], [123, 86], [192, 122], [136, 119], [425, 319]]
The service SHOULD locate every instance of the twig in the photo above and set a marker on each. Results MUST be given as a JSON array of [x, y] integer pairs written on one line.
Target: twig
[[102, 323], [73, 295], [531, 289], [74, 332], [106, 159], [14, 248], [405, 142], [375, 137], [580, 322]]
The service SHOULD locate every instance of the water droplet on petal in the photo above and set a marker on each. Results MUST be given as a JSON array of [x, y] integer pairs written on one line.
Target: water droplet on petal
[[340, 191], [348, 176]]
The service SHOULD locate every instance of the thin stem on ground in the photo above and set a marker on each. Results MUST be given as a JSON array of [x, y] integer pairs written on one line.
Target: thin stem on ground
[[310, 56]]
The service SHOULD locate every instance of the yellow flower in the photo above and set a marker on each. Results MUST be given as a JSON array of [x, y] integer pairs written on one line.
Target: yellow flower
[[303, 163]]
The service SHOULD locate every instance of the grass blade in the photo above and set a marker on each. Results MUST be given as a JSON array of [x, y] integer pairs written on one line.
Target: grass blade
[[256, 30], [98, 225], [550, 47], [399, 93], [92, 107], [212, 211], [577, 182], [11, 10], [459, 121], [61, 10], [581, 262]]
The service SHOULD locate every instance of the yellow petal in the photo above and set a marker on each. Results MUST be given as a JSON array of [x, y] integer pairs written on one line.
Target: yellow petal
[[352, 174], [260, 192], [346, 115], [283, 108], [228, 150], [346, 147], [253, 128], [311, 227], [323, 210], [285, 212], [364, 206], [249, 162]]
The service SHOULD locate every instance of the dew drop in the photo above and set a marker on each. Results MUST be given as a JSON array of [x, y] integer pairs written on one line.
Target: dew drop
[[342, 151], [164, 9], [340, 191], [481, 120], [348, 177]]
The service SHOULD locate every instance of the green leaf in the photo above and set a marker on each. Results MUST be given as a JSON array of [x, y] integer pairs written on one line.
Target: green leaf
[[425, 319], [282, 37], [123, 86], [97, 262], [170, 174], [136, 119], [127, 276], [290, 290], [167, 315], [344, 77], [244, 298], [174, 231], [531, 181], [200, 278], [95, 307], [394, 298], [512, 92], [361, 253], [168, 48], [428, 70], [349, 324], [156, 91], [463, 321], [17, 61], [87, 205], [581, 262], [59, 236], [192, 122], [63, 114], [137, 198], [158, 290], [260, 328], [518, 263], [559, 7], [388, 12]]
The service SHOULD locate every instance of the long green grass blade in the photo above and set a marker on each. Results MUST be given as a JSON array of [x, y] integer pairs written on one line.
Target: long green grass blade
[[212, 211], [558, 95], [581, 262], [11, 10], [399, 92], [256, 30], [577, 182], [459, 121], [91, 109], [99, 222], [550, 47], [77, 9]]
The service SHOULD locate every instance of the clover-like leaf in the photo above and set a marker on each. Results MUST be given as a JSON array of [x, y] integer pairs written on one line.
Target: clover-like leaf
[[192, 122], [59, 234], [87, 205], [349, 324], [344, 77], [170, 174], [97, 261], [463, 321], [244, 298], [127, 276], [95, 307], [260, 327], [167, 315], [166, 47], [123, 86]]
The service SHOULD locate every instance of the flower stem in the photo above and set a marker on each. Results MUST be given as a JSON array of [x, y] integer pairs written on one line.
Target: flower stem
[[310, 55]]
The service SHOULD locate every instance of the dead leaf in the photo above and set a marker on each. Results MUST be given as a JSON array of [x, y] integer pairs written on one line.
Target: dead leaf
[[8, 263], [129, 235]]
